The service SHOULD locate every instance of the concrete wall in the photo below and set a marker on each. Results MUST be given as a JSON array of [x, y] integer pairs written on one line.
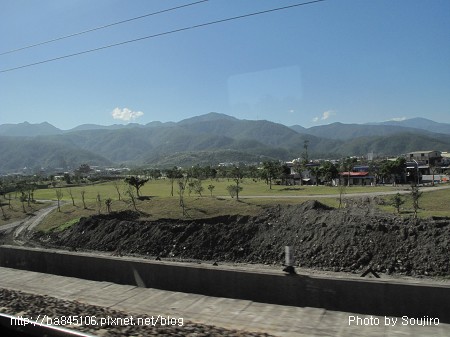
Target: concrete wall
[[365, 296]]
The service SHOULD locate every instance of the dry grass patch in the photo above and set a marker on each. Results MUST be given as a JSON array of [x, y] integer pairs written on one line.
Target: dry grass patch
[[16, 212], [169, 208], [153, 209]]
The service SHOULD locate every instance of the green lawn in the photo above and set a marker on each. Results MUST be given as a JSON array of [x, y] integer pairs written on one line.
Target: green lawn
[[162, 205], [434, 203], [162, 188]]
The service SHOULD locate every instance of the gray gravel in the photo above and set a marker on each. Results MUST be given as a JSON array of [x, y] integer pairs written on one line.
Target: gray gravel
[[17, 303]]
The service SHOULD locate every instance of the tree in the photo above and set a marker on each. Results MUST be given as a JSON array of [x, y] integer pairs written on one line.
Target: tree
[[108, 203], [221, 172], [30, 187], [59, 195], [67, 178], [299, 167], [84, 169], [154, 174], [181, 188], [71, 196], [33, 187], [23, 198], [374, 171], [398, 168], [392, 170], [196, 172], [253, 171], [83, 194], [234, 190], [397, 201], [4, 215], [211, 188], [99, 203], [341, 188], [197, 187], [415, 195], [285, 172], [434, 169], [212, 173], [346, 166], [190, 186], [130, 193], [236, 174], [136, 182], [9, 200], [329, 172], [173, 174], [271, 170], [21, 187], [117, 186], [316, 172]]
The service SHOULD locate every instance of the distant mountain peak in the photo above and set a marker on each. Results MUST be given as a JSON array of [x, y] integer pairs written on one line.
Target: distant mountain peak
[[213, 135], [211, 116], [26, 129], [420, 123]]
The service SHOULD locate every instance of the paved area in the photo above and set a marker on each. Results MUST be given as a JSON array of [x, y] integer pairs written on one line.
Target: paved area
[[229, 313]]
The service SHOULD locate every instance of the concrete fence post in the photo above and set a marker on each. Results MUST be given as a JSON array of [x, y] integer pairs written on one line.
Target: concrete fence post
[[289, 260]]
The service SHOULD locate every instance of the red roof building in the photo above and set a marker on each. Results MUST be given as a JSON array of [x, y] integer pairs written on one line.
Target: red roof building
[[357, 178]]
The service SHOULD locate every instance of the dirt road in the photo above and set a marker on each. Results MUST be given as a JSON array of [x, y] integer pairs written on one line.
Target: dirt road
[[14, 229]]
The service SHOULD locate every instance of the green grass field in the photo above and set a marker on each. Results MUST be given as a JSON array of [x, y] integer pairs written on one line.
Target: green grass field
[[435, 203], [162, 188], [257, 195]]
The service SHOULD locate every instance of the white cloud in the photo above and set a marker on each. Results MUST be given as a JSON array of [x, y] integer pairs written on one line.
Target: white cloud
[[396, 119], [126, 114], [328, 114], [325, 115]]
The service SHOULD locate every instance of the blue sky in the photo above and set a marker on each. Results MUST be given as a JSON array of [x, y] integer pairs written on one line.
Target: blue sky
[[350, 61]]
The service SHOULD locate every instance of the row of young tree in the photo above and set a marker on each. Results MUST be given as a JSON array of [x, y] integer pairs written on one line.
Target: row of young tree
[[190, 180], [398, 200], [16, 189], [269, 171], [391, 170]]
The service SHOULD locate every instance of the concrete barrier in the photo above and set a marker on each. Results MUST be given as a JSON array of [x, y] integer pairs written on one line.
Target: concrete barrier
[[365, 296]]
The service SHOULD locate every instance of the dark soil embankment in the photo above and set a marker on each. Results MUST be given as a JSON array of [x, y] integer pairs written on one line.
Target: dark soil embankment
[[349, 239]]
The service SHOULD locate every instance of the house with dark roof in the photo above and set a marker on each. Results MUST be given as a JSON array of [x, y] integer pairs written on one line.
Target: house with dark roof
[[425, 157], [420, 165]]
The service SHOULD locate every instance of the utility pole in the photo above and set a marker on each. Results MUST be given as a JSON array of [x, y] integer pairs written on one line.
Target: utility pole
[[305, 146], [417, 170]]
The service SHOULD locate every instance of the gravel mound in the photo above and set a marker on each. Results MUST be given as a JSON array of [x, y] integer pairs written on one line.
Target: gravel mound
[[349, 239]]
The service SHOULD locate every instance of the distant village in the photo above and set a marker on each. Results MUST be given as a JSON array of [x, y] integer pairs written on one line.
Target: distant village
[[418, 167]]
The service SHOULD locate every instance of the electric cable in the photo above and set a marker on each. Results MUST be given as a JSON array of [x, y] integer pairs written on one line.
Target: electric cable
[[101, 27], [162, 34]]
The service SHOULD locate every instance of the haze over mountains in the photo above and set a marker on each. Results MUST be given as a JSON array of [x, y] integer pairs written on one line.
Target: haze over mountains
[[207, 139]]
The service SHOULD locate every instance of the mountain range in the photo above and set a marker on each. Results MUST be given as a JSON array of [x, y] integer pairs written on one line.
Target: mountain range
[[208, 139]]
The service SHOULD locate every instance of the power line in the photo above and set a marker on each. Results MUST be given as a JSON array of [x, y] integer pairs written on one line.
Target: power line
[[101, 27], [161, 34]]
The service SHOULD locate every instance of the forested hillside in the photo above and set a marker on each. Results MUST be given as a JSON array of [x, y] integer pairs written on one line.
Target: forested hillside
[[207, 139]]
